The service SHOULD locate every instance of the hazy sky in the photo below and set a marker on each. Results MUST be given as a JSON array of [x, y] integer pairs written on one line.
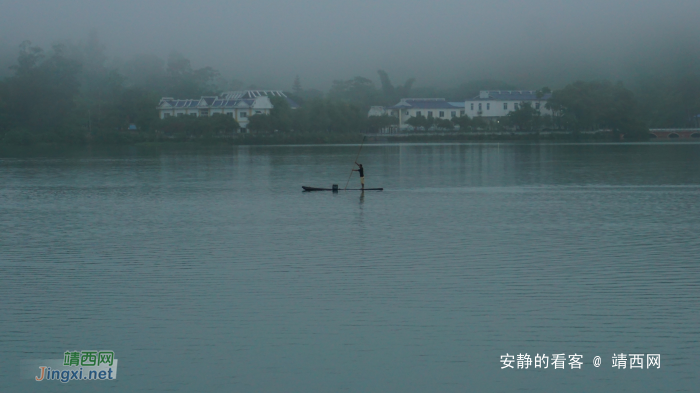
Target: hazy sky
[[441, 43]]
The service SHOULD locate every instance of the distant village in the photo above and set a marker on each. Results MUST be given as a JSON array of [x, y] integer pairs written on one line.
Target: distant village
[[490, 105], [240, 105], [154, 99]]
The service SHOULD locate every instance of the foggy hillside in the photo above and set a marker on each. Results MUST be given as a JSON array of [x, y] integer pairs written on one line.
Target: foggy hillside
[[441, 44]]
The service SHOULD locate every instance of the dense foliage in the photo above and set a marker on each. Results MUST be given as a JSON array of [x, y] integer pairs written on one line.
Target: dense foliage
[[76, 93], [41, 94], [72, 94], [317, 115], [597, 105]]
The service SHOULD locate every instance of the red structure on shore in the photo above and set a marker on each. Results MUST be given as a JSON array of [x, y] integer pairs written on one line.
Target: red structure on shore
[[675, 133]]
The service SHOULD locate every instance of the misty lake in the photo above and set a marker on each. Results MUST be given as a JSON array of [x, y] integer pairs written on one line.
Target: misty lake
[[208, 269]]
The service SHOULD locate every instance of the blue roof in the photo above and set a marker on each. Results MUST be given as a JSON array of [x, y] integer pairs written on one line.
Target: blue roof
[[226, 101], [511, 95], [223, 103], [247, 94], [180, 103], [426, 103]]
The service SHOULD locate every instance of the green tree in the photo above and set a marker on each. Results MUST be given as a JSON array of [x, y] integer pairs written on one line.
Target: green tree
[[464, 122], [41, 94], [318, 115], [281, 114], [479, 123], [199, 126], [391, 94], [260, 123], [218, 124], [420, 122], [296, 87], [135, 106], [184, 82], [100, 86], [444, 124], [146, 72], [669, 101], [358, 91], [596, 105], [526, 117], [376, 123]]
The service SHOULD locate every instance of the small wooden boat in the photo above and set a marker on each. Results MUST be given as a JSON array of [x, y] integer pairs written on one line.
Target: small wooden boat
[[331, 189]]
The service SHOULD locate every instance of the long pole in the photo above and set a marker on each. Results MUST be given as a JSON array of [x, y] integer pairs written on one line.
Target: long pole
[[358, 156]]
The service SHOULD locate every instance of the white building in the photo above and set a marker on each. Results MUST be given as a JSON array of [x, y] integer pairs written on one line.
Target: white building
[[492, 104], [238, 104], [426, 107]]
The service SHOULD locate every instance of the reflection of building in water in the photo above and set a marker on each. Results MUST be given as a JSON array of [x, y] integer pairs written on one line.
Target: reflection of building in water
[[471, 165], [240, 105]]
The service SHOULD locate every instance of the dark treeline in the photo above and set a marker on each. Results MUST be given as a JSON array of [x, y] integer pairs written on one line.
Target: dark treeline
[[77, 94], [657, 101]]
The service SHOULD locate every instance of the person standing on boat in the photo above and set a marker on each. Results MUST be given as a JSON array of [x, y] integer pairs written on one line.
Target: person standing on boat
[[362, 174]]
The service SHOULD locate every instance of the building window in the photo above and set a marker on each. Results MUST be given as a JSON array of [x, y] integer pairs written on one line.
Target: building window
[[537, 105], [441, 114], [430, 113], [479, 106], [244, 114], [472, 106], [230, 114], [180, 115], [462, 112], [166, 115], [488, 106], [204, 112], [453, 114], [418, 113], [505, 105], [515, 106], [406, 113], [258, 112]]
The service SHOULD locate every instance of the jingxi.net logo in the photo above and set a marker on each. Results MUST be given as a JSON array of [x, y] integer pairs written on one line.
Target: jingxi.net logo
[[75, 366]]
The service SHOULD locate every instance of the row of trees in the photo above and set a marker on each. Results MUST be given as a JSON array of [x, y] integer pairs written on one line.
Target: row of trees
[[578, 106], [71, 91], [74, 91], [662, 99], [316, 115], [363, 92], [525, 118], [597, 105]]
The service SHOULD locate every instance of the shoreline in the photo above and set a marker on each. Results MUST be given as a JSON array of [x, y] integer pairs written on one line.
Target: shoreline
[[155, 139]]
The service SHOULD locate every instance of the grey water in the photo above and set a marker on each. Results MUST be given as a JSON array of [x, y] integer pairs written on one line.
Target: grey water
[[208, 270]]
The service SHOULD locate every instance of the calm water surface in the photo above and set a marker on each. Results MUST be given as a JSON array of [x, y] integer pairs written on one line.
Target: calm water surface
[[209, 269]]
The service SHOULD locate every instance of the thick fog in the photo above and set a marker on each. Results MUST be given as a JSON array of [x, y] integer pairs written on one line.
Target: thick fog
[[443, 43]]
